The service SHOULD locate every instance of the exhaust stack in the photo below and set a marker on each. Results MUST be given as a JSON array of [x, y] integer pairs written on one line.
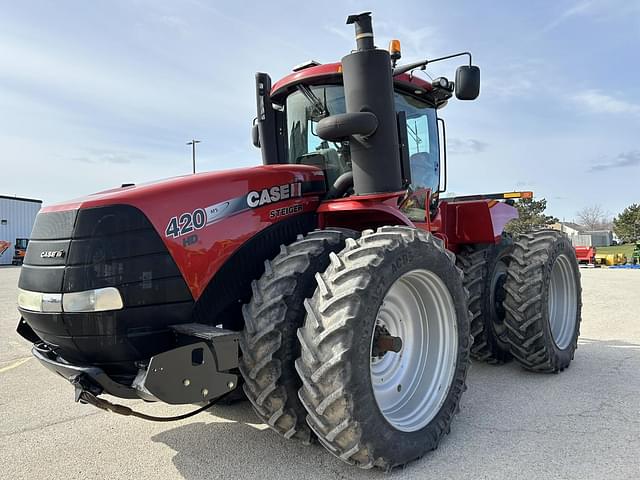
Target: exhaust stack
[[368, 87]]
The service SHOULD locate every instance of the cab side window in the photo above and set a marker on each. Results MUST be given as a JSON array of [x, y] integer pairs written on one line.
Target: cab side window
[[424, 155]]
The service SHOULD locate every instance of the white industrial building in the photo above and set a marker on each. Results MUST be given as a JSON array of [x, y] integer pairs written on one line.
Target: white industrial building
[[581, 237], [17, 216]]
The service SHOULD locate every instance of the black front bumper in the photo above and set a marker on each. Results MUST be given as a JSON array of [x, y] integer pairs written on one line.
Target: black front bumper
[[93, 378], [199, 370]]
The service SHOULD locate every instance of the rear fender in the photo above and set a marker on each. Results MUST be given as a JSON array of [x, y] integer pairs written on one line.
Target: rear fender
[[470, 222], [363, 212]]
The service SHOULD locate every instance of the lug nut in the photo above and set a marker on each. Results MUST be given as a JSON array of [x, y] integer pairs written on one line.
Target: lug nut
[[186, 382]]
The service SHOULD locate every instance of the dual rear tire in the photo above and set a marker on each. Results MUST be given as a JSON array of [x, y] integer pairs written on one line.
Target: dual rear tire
[[269, 344], [525, 300], [383, 348], [378, 328], [485, 272], [543, 301]]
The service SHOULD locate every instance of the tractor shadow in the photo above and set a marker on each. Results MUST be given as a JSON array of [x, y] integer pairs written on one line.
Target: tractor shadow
[[593, 359], [502, 402], [233, 443]]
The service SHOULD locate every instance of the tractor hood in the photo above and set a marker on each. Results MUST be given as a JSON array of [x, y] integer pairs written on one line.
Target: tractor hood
[[165, 189], [200, 218], [105, 276]]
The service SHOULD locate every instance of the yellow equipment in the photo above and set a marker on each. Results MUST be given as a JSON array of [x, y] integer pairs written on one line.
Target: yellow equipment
[[611, 259]]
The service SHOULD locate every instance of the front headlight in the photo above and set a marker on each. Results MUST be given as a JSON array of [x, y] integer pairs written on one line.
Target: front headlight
[[40, 302], [99, 300]]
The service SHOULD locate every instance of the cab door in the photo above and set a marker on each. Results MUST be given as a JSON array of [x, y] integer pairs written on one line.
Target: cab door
[[424, 155]]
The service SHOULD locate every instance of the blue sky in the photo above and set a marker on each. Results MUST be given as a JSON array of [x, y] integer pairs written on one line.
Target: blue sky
[[94, 94]]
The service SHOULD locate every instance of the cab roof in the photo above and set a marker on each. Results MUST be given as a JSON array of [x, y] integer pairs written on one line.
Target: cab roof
[[332, 72]]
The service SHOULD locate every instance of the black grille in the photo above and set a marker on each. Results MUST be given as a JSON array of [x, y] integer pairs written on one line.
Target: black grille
[[110, 220], [54, 225], [41, 279], [112, 246]]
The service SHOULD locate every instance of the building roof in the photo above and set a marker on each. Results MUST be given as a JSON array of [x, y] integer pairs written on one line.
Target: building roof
[[573, 226], [20, 199]]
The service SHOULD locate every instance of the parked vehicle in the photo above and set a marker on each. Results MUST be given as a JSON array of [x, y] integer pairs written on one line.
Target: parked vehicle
[[20, 251]]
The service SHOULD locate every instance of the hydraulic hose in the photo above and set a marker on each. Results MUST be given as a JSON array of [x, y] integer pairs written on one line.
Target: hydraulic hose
[[103, 404]]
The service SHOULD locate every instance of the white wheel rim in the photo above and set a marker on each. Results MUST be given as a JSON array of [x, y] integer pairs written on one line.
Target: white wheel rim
[[563, 303], [411, 385]]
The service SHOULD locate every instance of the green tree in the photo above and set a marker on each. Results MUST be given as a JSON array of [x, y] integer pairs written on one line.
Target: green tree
[[531, 216], [627, 224]]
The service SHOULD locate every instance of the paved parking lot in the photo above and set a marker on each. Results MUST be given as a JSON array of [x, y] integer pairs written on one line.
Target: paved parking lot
[[583, 423]]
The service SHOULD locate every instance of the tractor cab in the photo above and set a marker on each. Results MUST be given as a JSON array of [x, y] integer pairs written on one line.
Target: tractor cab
[[288, 128], [420, 131]]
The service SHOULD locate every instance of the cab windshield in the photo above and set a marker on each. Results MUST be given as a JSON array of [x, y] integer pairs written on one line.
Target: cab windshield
[[305, 147]]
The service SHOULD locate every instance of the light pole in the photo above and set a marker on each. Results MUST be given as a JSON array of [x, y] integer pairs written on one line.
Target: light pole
[[193, 152]]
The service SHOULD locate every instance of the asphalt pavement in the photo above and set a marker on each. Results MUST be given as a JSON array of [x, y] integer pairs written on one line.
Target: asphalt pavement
[[583, 423]]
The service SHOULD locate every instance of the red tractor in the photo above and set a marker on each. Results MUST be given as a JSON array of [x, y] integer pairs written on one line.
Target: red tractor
[[355, 292]]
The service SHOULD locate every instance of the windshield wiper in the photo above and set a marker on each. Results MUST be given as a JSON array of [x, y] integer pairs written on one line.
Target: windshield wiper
[[318, 108]]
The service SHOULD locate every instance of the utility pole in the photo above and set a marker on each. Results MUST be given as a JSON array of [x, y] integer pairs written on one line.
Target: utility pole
[[193, 152]]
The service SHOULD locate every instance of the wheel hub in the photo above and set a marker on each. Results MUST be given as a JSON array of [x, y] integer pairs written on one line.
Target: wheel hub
[[498, 293], [416, 333], [384, 342]]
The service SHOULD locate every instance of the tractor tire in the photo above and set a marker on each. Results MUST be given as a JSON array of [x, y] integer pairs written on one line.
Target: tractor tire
[[484, 271], [543, 301], [397, 282], [498, 260], [272, 317]]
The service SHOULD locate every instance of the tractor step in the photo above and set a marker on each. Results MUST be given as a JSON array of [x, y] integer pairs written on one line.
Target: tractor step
[[203, 331], [224, 343], [198, 371]]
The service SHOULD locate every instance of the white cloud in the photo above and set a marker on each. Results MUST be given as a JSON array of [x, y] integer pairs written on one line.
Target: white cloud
[[597, 10], [417, 43], [598, 102], [110, 85], [465, 146], [624, 159], [511, 78], [579, 8]]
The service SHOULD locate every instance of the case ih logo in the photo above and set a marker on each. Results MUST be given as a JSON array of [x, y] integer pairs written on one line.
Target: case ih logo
[[274, 194], [52, 254]]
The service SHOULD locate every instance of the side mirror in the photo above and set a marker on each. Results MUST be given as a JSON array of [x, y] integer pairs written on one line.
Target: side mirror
[[255, 135], [343, 125], [467, 82]]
